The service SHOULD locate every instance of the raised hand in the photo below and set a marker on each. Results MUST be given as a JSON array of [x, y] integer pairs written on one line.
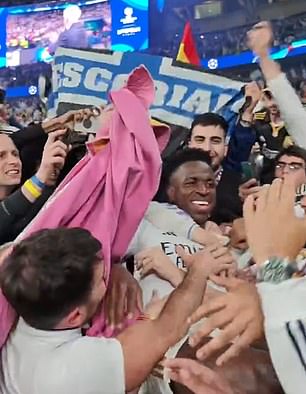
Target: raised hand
[[272, 228], [248, 188], [123, 298], [196, 377], [154, 260], [260, 38], [238, 313], [53, 159]]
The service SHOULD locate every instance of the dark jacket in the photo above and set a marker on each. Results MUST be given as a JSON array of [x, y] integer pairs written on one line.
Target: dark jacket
[[16, 212], [75, 38], [271, 140], [228, 204]]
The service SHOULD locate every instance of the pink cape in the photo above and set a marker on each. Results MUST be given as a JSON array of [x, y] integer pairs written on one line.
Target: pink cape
[[109, 190]]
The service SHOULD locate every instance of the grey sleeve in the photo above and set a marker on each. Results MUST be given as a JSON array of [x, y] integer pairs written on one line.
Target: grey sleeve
[[291, 108]]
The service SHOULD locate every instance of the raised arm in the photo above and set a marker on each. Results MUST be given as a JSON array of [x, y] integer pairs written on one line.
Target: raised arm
[[291, 108], [244, 135], [145, 343], [18, 204]]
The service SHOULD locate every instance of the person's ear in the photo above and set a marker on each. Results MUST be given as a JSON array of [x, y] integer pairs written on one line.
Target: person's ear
[[171, 193], [225, 149], [75, 318]]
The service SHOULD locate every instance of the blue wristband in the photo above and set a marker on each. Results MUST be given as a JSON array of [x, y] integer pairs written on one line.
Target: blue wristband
[[37, 182]]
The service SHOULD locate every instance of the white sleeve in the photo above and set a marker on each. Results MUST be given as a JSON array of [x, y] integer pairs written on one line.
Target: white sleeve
[[285, 329], [291, 108], [170, 218], [146, 236], [86, 366]]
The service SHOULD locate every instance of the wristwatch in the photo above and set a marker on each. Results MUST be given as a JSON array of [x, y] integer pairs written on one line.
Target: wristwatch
[[276, 270]]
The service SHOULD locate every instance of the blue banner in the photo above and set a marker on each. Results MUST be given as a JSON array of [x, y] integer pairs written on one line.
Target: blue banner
[[84, 78], [130, 25]]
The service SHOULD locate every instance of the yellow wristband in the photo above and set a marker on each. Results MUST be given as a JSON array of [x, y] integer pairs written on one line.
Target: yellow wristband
[[32, 189]]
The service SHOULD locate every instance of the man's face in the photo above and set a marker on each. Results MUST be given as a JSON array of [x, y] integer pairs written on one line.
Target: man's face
[[210, 139], [270, 104], [293, 167], [10, 163], [4, 114], [273, 108], [193, 189]]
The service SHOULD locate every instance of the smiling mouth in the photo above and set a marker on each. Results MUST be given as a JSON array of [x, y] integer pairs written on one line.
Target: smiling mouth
[[200, 203], [12, 172]]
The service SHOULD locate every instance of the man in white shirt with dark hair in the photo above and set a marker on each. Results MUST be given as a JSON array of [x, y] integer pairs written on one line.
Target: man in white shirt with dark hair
[[55, 281]]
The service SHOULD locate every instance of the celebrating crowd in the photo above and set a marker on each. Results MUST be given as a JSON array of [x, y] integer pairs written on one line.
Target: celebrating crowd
[[233, 41], [136, 275]]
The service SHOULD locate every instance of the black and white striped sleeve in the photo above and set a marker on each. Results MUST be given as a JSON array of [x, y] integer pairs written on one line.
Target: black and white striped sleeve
[[284, 307]]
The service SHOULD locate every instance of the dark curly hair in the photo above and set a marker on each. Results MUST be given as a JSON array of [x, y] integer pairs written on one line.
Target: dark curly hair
[[173, 162]]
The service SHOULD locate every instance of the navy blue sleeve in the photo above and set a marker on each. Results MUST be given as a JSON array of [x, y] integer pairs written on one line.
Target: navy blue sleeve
[[239, 147]]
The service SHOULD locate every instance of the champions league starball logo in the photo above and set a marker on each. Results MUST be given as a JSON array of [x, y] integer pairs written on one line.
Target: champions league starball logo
[[32, 90], [213, 64]]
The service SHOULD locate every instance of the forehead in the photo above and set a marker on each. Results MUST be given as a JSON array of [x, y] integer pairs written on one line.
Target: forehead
[[291, 159], [6, 143], [193, 169], [208, 131]]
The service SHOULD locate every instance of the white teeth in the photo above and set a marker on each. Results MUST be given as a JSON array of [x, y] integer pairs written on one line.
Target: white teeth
[[13, 172], [202, 203]]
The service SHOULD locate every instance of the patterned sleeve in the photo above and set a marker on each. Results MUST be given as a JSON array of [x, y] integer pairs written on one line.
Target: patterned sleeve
[[285, 329]]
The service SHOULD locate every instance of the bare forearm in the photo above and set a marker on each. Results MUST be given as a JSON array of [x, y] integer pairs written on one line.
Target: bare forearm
[[269, 67], [153, 338], [172, 321], [290, 106], [177, 277]]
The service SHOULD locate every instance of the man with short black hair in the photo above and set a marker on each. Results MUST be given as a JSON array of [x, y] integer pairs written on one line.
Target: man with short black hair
[[291, 162], [55, 281], [188, 181], [209, 133]]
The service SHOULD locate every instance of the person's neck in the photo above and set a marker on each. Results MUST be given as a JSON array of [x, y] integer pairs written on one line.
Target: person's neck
[[204, 222], [276, 119], [69, 25], [5, 191]]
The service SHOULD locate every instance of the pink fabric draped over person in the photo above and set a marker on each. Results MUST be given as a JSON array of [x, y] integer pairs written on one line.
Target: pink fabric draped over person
[[109, 190]]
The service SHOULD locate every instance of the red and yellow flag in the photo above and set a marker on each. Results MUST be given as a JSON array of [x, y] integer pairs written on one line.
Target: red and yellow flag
[[188, 51]]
